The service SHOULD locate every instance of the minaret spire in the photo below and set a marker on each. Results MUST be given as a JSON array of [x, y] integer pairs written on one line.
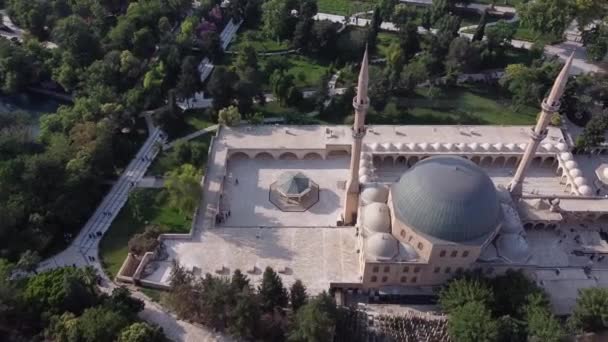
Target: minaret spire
[[360, 103], [549, 106]]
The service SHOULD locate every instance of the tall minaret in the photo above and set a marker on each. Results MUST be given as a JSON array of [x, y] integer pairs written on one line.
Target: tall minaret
[[549, 106], [360, 103]]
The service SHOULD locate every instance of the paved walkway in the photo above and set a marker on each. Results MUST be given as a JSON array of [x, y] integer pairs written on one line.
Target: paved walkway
[[17, 32], [190, 136]]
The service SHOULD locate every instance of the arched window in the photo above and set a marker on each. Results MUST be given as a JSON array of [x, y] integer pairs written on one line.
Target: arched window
[[454, 254], [442, 253], [404, 279], [374, 279], [437, 269], [384, 279], [375, 269]]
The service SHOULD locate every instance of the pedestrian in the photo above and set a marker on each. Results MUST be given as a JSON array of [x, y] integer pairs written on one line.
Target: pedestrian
[[228, 213], [236, 181]]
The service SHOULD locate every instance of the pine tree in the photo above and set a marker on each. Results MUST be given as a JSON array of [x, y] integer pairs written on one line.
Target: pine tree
[[239, 281], [271, 291], [244, 316], [298, 295], [481, 27]]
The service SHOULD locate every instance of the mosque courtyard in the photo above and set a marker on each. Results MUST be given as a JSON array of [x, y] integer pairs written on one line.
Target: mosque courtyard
[[308, 245]]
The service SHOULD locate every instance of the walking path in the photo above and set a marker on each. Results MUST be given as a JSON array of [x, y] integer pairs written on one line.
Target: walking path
[[190, 136], [206, 67], [16, 32]]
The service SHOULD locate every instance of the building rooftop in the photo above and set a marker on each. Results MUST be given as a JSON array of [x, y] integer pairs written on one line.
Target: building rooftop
[[449, 198], [317, 137]]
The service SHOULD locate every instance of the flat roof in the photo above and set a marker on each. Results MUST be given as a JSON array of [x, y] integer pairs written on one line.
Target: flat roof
[[317, 136]]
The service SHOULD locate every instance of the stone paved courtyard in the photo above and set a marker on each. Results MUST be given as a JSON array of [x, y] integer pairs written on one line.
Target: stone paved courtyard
[[249, 204], [317, 256]]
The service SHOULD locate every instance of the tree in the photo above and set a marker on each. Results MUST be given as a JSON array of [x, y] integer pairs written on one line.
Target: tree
[[229, 116], [212, 45], [374, 29], [121, 301], [28, 261], [315, 321], [472, 322], [189, 81], [481, 27], [140, 200], [500, 34], [143, 42], [100, 324], [325, 35], [271, 291], [239, 281], [462, 57], [513, 291], [244, 315], [281, 83], [461, 291], [144, 242], [275, 15], [183, 185], [76, 36], [542, 325], [247, 57], [387, 8], [547, 16], [297, 295], [141, 332], [302, 35], [221, 87], [590, 313]]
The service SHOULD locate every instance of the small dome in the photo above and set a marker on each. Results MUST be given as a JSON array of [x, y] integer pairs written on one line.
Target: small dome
[[381, 246], [522, 146], [548, 147], [366, 156], [363, 171], [571, 164], [510, 147], [373, 147], [486, 146], [364, 179], [379, 148], [585, 190], [423, 146], [489, 253], [400, 147], [474, 147], [579, 181], [513, 247], [448, 146], [462, 147], [566, 156], [561, 147], [498, 147], [374, 194], [407, 252], [605, 173], [389, 147], [376, 218], [412, 147], [576, 173], [436, 146]]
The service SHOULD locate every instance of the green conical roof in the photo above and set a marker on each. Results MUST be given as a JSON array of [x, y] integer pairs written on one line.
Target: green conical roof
[[293, 183]]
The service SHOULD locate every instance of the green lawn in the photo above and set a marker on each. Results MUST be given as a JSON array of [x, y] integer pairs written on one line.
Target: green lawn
[[167, 161], [345, 7], [306, 71], [258, 40], [481, 105], [114, 248]]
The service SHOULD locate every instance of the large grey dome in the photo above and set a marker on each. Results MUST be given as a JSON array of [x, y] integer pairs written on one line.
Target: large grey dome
[[449, 198]]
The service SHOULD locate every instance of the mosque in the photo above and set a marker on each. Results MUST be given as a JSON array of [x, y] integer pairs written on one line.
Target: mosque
[[399, 209]]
